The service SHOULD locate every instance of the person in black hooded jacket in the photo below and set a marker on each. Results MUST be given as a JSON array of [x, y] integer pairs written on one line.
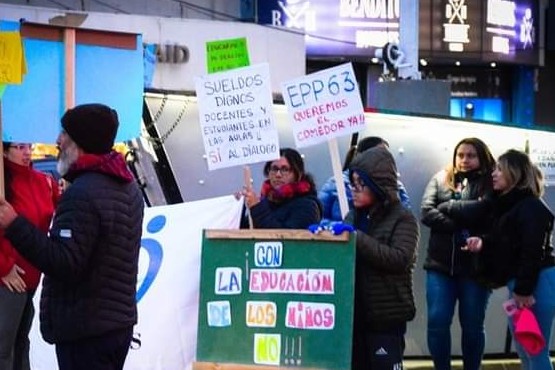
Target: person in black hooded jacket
[[90, 255], [449, 269], [386, 241]]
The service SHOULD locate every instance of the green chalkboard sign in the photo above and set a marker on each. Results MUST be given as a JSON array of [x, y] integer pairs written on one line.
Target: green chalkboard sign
[[276, 298]]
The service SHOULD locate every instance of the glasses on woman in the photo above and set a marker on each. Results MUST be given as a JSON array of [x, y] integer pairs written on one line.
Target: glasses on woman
[[21, 146], [283, 170], [357, 187]]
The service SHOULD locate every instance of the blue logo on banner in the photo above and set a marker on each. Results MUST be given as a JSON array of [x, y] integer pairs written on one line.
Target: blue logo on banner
[[155, 254]]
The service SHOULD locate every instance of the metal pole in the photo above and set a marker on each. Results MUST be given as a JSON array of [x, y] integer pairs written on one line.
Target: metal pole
[[408, 38]]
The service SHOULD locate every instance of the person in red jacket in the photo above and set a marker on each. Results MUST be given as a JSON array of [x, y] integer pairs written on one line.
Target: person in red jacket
[[32, 194]]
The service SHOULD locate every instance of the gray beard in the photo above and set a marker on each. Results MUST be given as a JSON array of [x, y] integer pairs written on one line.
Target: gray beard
[[66, 159]]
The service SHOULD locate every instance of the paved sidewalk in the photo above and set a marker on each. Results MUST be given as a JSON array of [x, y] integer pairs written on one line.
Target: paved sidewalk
[[489, 364]]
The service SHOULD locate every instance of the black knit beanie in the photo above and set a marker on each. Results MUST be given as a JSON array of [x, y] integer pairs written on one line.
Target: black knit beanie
[[92, 126]]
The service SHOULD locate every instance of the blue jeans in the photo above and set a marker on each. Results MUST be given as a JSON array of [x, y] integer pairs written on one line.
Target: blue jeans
[[442, 293], [544, 310]]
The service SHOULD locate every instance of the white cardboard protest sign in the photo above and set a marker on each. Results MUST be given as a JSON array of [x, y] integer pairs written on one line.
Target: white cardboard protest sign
[[324, 105], [236, 117]]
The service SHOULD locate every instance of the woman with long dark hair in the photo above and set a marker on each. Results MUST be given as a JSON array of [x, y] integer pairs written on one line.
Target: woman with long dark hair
[[450, 273]]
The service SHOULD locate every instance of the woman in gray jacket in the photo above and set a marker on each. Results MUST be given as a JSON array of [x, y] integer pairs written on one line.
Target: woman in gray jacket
[[450, 275], [386, 241]]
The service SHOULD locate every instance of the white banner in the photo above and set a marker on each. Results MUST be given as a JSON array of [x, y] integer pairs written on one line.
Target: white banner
[[168, 287], [324, 105], [236, 117]]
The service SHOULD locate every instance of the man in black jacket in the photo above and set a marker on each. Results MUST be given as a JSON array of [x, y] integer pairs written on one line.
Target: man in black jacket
[[90, 255]]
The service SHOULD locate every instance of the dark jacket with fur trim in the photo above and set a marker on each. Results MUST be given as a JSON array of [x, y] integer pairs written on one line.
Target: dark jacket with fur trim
[[90, 257], [386, 243]]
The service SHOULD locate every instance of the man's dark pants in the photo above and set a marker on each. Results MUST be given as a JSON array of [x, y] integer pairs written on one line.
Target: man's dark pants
[[103, 352]]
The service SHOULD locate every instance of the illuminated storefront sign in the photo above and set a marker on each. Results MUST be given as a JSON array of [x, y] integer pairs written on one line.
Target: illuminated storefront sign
[[294, 14], [510, 30], [455, 29], [480, 30], [452, 28], [336, 27], [375, 22]]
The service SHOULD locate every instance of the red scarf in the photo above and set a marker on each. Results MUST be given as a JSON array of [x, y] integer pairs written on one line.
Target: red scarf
[[111, 164], [285, 191]]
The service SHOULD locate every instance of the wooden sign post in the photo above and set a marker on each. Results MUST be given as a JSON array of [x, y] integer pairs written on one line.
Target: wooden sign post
[[69, 58], [338, 175], [2, 189]]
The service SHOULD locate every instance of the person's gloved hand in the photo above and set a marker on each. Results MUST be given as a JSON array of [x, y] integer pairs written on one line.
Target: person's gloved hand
[[315, 228], [335, 228], [340, 228]]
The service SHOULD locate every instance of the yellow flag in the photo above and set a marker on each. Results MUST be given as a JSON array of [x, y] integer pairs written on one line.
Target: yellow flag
[[12, 64]]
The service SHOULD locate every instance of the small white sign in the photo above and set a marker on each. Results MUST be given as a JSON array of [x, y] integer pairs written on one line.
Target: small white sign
[[268, 254], [261, 314], [310, 315], [219, 313], [227, 281]]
